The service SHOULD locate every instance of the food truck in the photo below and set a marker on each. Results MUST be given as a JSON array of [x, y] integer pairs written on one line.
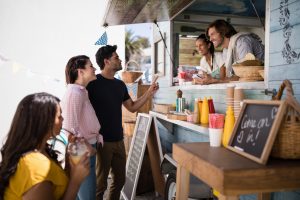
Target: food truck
[[176, 24]]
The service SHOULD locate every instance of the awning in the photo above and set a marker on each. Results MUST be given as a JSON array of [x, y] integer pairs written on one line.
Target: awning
[[120, 12]]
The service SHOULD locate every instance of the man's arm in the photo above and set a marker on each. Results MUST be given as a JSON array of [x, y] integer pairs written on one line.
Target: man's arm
[[133, 106]]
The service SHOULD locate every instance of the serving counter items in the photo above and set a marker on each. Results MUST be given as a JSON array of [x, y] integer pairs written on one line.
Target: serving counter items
[[229, 95], [248, 68], [180, 102], [238, 98], [177, 116], [216, 124], [163, 108], [228, 127], [211, 106], [196, 116], [204, 112], [215, 136]]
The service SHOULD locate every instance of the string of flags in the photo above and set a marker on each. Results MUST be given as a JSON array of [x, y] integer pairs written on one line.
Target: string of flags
[[17, 67]]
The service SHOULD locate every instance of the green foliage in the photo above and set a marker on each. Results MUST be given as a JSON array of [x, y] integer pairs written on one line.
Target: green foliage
[[134, 44]]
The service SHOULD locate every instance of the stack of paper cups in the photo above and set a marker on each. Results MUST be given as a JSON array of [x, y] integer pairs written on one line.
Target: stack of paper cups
[[238, 98], [229, 95]]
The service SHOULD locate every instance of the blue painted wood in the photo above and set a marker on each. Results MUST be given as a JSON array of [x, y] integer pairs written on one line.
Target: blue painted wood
[[281, 72], [280, 67], [276, 3], [294, 7], [278, 37]]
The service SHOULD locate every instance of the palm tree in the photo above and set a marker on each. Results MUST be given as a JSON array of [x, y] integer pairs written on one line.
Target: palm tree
[[134, 44]]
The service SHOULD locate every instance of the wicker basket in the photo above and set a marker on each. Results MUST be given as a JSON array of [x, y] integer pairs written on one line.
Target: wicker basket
[[287, 142], [248, 73], [131, 76]]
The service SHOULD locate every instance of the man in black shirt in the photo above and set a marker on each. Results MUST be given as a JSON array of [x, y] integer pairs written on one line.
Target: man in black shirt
[[107, 95]]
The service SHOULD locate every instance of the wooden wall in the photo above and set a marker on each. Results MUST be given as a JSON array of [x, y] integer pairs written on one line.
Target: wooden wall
[[285, 44], [188, 54]]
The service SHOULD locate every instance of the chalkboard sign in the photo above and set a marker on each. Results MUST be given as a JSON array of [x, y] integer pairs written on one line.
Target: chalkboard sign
[[136, 155], [255, 130]]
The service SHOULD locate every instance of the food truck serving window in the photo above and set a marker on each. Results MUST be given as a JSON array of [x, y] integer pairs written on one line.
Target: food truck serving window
[[248, 17], [187, 20]]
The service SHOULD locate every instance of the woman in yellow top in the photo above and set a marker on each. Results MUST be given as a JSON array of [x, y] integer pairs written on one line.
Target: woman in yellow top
[[29, 169]]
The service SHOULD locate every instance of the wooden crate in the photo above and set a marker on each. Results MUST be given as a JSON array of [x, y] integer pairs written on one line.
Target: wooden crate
[[163, 108]]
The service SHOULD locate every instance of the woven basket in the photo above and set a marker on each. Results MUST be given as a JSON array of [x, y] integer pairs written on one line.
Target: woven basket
[[131, 76], [248, 73], [287, 142]]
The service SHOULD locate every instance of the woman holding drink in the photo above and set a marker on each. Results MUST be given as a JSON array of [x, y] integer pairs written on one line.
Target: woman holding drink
[[80, 119], [29, 168]]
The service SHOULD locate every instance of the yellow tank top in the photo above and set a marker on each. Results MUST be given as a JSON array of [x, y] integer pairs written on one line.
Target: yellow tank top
[[34, 168]]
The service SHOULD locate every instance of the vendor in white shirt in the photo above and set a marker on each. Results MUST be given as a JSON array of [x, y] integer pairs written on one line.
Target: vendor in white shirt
[[212, 63]]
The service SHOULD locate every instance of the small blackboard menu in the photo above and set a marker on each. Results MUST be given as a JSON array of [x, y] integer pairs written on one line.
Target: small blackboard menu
[[136, 155], [255, 130]]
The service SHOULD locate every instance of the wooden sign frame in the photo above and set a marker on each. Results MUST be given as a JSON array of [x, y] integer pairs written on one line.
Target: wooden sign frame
[[132, 188], [271, 135]]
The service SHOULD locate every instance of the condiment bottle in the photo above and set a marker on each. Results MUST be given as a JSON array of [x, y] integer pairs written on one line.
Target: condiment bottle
[[228, 127], [200, 107], [179, 101], [211, 105], [196, 112], [204, 111]]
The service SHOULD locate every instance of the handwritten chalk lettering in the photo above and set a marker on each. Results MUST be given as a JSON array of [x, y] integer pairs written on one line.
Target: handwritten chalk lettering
[[263, 123], [250, 138], [246, 123], [240, 137]]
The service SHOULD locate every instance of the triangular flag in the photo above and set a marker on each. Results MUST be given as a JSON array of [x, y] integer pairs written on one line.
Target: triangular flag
[[102, 40]]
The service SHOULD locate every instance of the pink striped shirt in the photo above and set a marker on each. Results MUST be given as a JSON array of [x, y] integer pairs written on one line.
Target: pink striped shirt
[[79, 115]]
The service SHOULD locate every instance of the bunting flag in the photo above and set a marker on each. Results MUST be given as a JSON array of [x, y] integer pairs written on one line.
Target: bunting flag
[[102, 40]]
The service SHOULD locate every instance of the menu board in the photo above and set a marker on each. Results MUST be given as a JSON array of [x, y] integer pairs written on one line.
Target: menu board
[[255, 130], [136, 155]]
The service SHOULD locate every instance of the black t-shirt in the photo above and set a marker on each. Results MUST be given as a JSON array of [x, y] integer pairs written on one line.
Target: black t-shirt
[[107, 97]]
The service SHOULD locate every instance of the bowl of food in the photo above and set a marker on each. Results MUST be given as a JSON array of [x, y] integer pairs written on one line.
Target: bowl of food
[[248, 73]]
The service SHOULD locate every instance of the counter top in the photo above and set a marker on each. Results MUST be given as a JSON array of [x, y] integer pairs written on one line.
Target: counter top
[[203, 129], [230, 173]]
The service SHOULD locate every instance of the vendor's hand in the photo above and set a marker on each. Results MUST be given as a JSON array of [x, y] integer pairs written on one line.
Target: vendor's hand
[[207, 79]]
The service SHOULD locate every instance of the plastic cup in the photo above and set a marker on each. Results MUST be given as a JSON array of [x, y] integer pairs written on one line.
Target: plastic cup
[[216, 120], [215, 137], [76, 150]]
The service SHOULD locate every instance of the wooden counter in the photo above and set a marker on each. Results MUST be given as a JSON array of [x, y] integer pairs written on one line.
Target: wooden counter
[[230, 173]]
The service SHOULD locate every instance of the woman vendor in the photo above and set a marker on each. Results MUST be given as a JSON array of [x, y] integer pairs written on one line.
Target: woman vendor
[[212, 64]]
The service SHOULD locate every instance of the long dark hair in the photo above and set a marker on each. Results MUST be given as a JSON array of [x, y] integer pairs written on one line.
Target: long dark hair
[[32, 122], [207, 41], [75, 63]]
